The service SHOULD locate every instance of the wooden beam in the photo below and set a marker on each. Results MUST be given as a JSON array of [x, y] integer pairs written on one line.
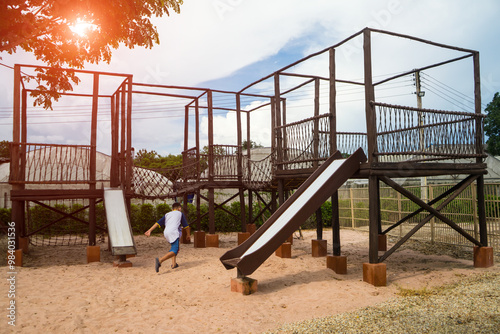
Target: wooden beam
[[458, 187], [429, 208], [455, 191], [49, 194]]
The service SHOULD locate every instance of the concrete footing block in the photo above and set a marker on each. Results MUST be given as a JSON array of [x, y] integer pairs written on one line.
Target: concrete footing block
[[337, 263], [483, 257], [93, 254], [24, 244], [242, 236], [122, 264], [18, 257], [319, 248], [284, 251], [375, 273], [251, 228], [244, 285], [212, 240], [199, 239]]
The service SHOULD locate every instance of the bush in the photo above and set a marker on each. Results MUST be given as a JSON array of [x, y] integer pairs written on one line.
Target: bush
[[41, 216], [5, 216], [161, 209], [142, 217]]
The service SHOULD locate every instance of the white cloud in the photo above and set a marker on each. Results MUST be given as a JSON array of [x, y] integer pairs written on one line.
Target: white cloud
[[213, 39]]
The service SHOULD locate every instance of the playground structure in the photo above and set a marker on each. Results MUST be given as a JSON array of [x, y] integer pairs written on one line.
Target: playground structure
[[399, 140]]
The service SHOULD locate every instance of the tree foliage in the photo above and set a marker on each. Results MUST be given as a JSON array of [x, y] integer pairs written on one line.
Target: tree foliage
[[253, 144], [44, 28], [4, 149], [492, 125], [151, 159]]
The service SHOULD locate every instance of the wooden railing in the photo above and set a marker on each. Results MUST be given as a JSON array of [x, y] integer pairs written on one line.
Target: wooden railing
[[406, 133], [50, 164]]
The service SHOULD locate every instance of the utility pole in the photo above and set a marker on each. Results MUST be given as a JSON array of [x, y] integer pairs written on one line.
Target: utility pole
[[420, 94]]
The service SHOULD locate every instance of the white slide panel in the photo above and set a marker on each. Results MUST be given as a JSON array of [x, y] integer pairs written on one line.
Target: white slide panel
[[117, 218]]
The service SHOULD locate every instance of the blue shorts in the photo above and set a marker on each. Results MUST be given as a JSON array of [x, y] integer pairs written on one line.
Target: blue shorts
[[174, 246]]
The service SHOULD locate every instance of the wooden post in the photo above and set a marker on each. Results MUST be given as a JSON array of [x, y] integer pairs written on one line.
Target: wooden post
[[93, 160], [316, 123], [17, 215], [481, 212], [184, 152], [333, 103], [239, 135], [284, 142], [374, 214], [319, 224], [198, 210], [371, 126], [477, 108], [197, 130], [249, 166], [250, 206], [336, 224], [481, 209], [21, 229], [273, 130], [333, 148], [114, 169], [274, 200], [123, 138], [211, 200], [277, 115], [130, 162], [278, 135], [186, 129], [211, 211]]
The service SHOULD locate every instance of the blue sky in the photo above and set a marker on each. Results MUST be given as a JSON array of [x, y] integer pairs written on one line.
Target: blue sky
[[227, 44]]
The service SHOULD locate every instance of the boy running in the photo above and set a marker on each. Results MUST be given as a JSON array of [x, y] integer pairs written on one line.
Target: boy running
[[172, 222]]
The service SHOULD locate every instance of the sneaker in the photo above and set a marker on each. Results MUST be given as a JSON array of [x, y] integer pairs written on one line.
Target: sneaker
[[157, 265], [176, 265]]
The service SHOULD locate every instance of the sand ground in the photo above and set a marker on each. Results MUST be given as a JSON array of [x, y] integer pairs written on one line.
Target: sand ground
[[58, 292]]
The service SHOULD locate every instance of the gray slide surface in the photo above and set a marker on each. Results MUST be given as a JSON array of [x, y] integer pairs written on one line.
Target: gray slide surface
[[119, 228], [322, 184]]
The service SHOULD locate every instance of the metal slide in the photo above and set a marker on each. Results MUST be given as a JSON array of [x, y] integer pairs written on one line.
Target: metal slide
[[322, 184], [119, 229]]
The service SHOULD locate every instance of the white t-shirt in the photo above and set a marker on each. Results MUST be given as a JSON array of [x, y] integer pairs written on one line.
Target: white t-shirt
[[172, 225]]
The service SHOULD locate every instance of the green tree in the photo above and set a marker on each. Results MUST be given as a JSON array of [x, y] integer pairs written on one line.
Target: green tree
[[253, 144], [151, 159], [492, 125], [143, 158], [4, 149], [47, 28]]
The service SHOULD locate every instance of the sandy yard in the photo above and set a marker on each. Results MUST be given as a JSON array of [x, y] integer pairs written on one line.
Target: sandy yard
[[58, 292]]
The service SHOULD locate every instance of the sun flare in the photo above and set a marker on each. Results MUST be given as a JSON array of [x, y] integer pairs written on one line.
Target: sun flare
[[82, 28]]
